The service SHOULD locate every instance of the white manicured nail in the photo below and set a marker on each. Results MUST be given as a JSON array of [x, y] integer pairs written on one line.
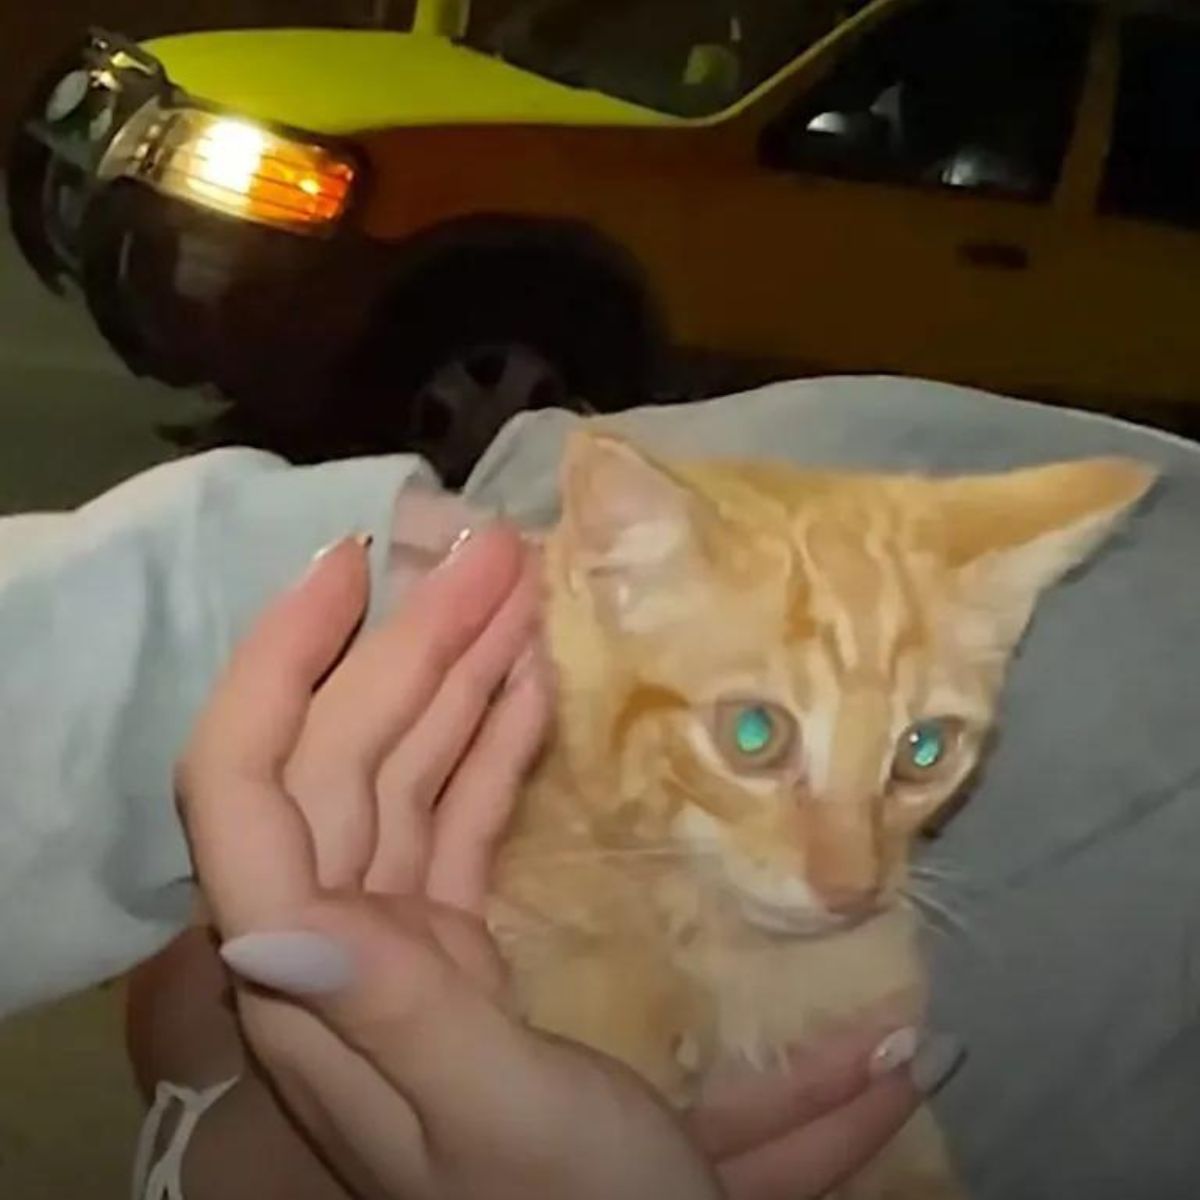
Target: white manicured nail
[[895, 1051], [299, 963], [938, 1056], [362, 539], [931, 1058], [464, 536]]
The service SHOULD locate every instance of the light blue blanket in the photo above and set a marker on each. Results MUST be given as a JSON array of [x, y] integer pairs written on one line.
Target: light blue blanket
[[1077, 983]]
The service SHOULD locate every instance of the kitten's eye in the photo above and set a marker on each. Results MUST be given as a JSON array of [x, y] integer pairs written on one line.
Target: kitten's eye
[[926, 749], [754, 734]]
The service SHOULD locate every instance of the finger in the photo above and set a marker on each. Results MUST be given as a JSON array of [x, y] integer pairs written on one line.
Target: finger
[[426, 522], [753, 1108], [249, 843], [475, 810], [381, 689], [816, 1157], [348, 1109], [465, 939], [377, 977], [418, 767], [257, 710], [361, 707]]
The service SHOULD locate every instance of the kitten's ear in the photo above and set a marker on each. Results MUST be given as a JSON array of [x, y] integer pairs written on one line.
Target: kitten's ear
[[1012, 536], [629, 528]]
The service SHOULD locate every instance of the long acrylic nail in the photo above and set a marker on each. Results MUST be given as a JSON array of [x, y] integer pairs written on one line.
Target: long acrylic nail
[[459, 543], [895, 1051], [365, 540], [464, 538], [938, 1056], [930, 1058], [299, 963]]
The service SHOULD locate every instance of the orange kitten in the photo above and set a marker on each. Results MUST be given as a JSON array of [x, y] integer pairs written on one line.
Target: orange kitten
[[770, 681]]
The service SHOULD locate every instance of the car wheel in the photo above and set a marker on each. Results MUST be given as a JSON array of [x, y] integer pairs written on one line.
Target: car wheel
[[465, 400], [37, 186], [466, 350], [29, 189]]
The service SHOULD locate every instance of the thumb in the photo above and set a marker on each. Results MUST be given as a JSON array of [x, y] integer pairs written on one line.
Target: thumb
[[374, 972]]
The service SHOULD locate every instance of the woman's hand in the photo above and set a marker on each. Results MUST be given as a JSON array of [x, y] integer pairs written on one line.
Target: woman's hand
[[343, 810], [403, 1061]]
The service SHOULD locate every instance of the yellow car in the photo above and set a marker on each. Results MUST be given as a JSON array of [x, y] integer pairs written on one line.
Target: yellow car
[[426, 231]]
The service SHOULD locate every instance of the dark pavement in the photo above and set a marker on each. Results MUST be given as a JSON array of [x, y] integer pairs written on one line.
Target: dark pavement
[[73, 420]]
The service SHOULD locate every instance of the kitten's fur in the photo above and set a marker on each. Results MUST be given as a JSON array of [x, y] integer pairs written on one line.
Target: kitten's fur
[[658, 903]]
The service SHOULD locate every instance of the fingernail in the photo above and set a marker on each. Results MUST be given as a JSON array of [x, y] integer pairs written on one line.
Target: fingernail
[[456, 546], [365, 540], [938, 1056], [895, 1051], [464, 538], [299, 963]]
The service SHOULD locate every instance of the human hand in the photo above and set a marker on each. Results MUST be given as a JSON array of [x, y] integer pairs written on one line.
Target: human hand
[[799, 1133], [394, 1047]]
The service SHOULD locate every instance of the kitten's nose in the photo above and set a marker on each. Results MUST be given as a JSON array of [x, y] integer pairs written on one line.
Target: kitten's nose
[[843, 862], [850, 901]]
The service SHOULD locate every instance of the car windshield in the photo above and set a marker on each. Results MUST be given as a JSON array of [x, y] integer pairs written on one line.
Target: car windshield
[[686, 57]]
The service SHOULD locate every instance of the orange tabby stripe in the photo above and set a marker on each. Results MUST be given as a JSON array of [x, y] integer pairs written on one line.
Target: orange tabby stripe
[[645, 699]]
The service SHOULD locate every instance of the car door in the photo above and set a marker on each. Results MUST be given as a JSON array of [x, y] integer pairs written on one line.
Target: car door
[[1133, 264], [900, 212]]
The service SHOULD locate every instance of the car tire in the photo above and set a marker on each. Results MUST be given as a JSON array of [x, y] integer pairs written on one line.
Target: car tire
[[470, 344], [29, 168]]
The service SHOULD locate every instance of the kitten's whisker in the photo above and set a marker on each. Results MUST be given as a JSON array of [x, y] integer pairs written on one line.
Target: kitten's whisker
[[929, 908], [937, 873], [930, 921]]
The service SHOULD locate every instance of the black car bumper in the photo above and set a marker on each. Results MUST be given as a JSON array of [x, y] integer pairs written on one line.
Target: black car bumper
[[182, 293]]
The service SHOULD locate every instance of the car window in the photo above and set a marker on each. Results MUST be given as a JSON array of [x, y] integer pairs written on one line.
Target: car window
[[685, 57], [1153, 166], [978, 95]]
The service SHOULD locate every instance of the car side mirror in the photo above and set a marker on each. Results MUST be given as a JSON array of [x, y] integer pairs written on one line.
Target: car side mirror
[[838, 142]]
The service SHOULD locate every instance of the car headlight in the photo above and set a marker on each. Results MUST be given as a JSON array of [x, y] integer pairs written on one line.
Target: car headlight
[[246, 170]]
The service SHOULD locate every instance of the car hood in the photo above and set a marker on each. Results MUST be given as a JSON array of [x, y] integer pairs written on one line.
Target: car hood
[[345, 81]]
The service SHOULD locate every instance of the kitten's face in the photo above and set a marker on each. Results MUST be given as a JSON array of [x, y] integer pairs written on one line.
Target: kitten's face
[[801, 669], [821, 711]]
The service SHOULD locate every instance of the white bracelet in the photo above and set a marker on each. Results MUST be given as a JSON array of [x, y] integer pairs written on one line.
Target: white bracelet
[[164, 1180]]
